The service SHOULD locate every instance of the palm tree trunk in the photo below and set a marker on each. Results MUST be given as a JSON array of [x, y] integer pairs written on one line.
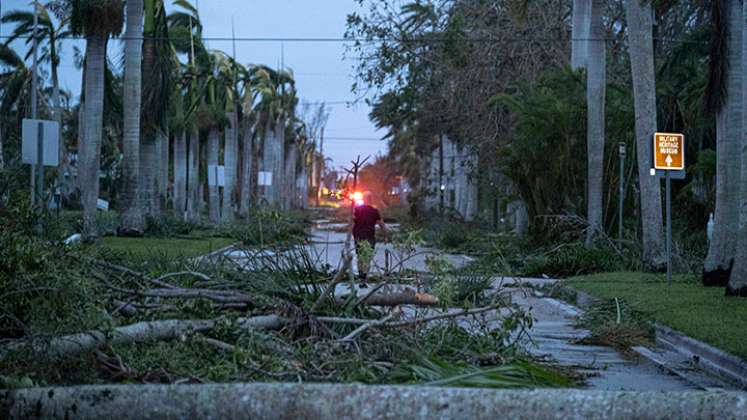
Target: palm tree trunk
[[2, 159], [193, 178], [738, 278], [213, 145], [162, 172], [90, 150], [132, 217], [279, 162], [595, 92], [247, 169], [641, 50], [729, 134], [230, 153], [289, 195], [268, 163], [180, 175], [303, 183], [148, 175], [580, 33]]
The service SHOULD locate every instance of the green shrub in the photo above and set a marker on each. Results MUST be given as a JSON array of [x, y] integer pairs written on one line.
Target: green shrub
[[267, 227], [573, 259]]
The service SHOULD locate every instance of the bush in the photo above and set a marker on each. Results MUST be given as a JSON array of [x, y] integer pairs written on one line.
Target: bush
[[168, 226], [571, 260], [268, 227]]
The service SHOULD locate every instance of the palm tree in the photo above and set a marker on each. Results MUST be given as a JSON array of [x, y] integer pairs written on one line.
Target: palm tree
[[15, 83], [159, 68], [96, 20], [581, 24], [185, 31], [248, 167], [641, 51], [737, 285], [133, 222], [595, 93], [50, 36], [722, 248]]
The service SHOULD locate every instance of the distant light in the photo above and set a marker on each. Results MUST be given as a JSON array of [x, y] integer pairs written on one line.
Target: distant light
[[443, 187]]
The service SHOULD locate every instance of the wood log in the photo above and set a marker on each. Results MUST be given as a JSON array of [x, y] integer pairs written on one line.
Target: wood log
[[135, 333], [406, 296], [344, 401]]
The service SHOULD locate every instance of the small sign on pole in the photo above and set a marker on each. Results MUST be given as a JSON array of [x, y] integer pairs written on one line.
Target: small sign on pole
[[264, 178], [50, 142], [216, 175], [669, 156], [669, 151]]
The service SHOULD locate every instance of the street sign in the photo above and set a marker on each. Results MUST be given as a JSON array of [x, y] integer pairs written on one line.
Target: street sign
[[102, 204], [264, 179], [217, 175], [669, 151], [50, 142]]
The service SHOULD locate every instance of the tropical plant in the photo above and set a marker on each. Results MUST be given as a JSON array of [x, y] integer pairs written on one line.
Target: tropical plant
[[96, 20]]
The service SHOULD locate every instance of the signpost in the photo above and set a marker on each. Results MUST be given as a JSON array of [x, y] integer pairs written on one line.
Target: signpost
[[669, 157], [621, 203], [264, 179], [217, 175], [40, 147]]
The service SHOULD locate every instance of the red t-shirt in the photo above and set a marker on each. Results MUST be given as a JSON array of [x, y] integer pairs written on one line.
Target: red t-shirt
[[364, 223]]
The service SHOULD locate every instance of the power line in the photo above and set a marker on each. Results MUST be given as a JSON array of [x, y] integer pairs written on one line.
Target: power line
[[434, 40]]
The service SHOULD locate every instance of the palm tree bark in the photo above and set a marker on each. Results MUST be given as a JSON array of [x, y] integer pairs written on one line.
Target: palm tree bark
[[193, 179], [279, 153], [580, 33], [289, 195], [738, 278], [132, 218], [268, 163], [247, 172], [90, 150], [729, 133], [180, 175], [595, 99], [641, 50], [162, 172], [213, 144], [230, 154]]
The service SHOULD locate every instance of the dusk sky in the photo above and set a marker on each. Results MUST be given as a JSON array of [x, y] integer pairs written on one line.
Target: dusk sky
[[321, 72]]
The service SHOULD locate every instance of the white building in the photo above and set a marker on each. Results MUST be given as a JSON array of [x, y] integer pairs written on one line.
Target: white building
[[449, 178]]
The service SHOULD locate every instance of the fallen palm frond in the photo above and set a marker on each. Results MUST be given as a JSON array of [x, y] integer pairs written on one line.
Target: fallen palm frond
[[437, 372]]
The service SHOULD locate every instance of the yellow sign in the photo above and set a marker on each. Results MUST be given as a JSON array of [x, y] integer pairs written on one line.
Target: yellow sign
[[669, 151]]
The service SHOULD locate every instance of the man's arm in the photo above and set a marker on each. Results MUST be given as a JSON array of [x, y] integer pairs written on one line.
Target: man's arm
[[384, 229]]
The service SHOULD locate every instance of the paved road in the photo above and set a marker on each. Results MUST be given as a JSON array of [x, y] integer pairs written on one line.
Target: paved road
[[554, 334]]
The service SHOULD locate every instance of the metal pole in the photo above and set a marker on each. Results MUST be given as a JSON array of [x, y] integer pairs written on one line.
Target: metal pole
[[669, 227], [33, 96], [441, 172], [622, 192], [40, 162]]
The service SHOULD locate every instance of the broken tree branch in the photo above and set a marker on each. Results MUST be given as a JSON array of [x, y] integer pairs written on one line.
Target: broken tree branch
[[135, 333]]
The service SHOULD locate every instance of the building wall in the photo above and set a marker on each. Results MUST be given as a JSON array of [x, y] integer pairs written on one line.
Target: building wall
[[459, 189]]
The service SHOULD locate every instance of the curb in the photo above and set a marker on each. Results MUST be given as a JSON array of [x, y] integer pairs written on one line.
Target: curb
[[704, 355]]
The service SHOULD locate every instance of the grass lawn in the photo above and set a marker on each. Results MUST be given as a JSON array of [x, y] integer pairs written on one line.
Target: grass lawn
[[702, 313], [175, 247]]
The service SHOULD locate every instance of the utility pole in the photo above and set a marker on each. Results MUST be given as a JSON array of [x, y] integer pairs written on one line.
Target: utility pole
[[441, 186], [320, 173], [34, 83], [621, 193]]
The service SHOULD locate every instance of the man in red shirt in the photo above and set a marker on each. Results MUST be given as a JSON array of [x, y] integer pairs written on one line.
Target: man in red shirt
[[366, 217]]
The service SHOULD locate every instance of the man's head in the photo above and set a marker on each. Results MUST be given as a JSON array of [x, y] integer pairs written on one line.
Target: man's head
[[368, 198]]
